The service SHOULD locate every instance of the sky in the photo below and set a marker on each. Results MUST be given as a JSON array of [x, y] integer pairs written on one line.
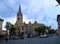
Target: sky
[[42, 11]]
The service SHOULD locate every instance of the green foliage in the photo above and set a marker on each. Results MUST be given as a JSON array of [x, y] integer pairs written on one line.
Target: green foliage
[[7, 25], [11, 28], [36, 29], [43, 29], [51, 31]]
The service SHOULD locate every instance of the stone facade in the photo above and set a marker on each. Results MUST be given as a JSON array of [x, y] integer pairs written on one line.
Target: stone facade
[[1, 21], [23, 27], [19, 21], [58, 20]]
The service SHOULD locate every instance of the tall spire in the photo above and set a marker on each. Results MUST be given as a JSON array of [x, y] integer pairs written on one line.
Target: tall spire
[[20, 8], [19, 12]]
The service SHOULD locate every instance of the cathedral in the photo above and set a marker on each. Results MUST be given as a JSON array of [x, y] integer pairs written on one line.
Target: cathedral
[[22, 27]]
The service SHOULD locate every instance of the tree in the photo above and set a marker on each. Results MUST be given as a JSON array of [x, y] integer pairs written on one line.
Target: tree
[[7, 26], [51, 31], [47, 29], [41, 29], [11, 29]]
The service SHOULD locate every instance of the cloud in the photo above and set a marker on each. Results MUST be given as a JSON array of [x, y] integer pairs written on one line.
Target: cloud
[[44, 11], [8, 7], [26, 20], [11, 20]]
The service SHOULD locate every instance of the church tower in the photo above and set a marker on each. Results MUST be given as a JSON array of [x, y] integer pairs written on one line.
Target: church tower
[[19, 16], [19, 22]]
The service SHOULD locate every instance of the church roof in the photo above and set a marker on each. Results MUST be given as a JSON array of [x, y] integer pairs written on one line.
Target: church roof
[[40, 24], [29, 22], [35, 22]]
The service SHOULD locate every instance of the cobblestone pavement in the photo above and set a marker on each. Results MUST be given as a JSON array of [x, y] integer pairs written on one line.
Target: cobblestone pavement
[[49, 40]]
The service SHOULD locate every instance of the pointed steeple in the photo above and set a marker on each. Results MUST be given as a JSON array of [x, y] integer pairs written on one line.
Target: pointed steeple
[[20, 8], [19, 12]]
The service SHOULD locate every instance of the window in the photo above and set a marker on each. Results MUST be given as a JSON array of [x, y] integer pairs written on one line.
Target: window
[[18, 18], [22, 27]]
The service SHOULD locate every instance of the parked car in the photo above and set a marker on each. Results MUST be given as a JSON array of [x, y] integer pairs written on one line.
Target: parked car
[[14, 37], [43, 36]]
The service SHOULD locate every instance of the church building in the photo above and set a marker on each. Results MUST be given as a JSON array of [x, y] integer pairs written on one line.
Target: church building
[[22, 27]]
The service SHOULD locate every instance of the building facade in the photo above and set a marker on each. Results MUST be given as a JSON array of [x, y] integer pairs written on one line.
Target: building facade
[[1, 21], [22, 27], [58, 20]]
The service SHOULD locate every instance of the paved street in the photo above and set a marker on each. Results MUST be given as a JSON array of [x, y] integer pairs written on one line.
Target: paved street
[[49, 40]]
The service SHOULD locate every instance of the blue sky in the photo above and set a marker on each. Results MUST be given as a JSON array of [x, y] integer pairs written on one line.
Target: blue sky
[[43, 11]]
